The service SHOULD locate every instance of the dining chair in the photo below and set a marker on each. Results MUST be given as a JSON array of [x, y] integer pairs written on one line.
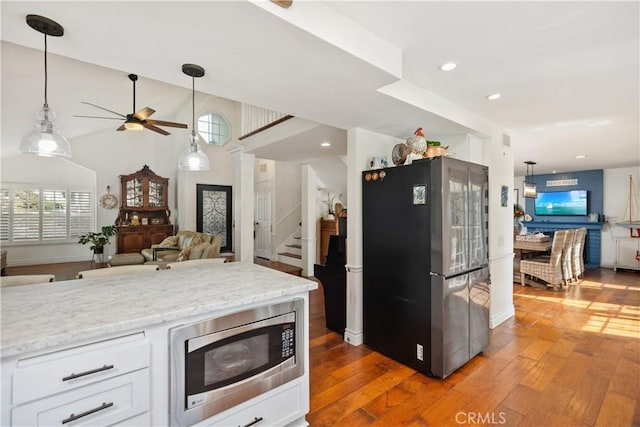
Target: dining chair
[[577, 258], [194, 263], [116, 271], [567, 257], [546, 269], [26, 279]]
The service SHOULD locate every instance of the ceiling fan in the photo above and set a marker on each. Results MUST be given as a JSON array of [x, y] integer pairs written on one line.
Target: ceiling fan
[[139, 119]]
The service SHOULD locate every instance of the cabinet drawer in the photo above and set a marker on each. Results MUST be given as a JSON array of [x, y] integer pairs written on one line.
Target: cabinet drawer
[[104, 403], [76, 367], [277, 410]]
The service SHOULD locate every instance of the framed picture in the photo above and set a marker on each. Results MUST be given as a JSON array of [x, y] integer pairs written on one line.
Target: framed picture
[[145, 221], [504, 196], [214, 213]]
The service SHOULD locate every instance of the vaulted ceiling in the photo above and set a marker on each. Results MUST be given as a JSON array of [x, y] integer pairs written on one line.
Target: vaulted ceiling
[[567, 71]]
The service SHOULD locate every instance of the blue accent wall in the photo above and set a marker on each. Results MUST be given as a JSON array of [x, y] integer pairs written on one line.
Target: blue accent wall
[[592, 181]]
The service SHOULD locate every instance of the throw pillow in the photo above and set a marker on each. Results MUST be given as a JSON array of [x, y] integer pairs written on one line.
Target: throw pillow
[[184, 254], [197, 250], [169, 242]]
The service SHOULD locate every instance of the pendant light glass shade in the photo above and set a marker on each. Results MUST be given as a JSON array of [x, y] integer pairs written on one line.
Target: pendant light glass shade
[[45, 140], [193, 158]]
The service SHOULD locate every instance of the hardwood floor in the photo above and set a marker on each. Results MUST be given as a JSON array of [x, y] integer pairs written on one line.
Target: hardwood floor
[[567, 358]]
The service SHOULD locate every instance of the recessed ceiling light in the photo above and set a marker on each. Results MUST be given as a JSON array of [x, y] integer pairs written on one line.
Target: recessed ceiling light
[[448, 66], [326, 144], [493, 96], [581, 156]]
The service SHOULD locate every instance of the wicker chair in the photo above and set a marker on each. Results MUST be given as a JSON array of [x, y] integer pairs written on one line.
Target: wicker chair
[[550, 269], [567, 257], [577, 259]]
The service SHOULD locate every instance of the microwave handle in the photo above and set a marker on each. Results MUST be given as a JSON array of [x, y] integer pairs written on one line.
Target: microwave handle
[[255, 421]]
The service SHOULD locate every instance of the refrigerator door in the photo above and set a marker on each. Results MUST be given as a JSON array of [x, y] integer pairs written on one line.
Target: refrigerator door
[[478, 216], [449, 324], [478, 311], [395, 217], [450, 220]]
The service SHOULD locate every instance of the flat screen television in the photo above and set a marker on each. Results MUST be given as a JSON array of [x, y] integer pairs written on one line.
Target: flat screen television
[[561, 203]]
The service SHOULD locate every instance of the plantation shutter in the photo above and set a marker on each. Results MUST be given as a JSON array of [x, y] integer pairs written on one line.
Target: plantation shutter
[[5, 210], [26, 215], [80, 213], [54, 214]]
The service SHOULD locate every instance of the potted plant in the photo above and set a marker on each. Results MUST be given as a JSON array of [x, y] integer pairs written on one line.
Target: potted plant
[[99, 239]]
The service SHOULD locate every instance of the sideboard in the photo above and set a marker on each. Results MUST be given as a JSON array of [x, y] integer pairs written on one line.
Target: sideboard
[[592, 241]]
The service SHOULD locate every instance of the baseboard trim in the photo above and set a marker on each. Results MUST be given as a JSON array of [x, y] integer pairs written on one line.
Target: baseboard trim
[[499, 318]]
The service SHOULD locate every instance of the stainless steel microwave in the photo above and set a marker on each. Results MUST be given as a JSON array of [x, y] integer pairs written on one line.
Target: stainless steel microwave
[[220, 362]]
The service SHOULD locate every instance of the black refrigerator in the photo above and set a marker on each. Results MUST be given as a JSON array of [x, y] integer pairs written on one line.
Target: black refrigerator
[[425, 263]]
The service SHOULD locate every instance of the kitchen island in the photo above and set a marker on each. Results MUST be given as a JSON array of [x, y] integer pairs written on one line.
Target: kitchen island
[[65, 325]]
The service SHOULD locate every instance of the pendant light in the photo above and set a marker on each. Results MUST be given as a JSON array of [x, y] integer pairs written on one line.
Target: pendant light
[[45, 140], [530, 189], [193, 158]]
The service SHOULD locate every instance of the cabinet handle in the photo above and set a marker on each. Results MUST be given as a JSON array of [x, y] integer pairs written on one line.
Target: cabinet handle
[[74, 417], [82, 374], [255, 421]]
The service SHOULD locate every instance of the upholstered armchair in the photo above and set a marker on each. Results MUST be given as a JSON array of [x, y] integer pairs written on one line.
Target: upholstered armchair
[[183, 246], [547, 269]]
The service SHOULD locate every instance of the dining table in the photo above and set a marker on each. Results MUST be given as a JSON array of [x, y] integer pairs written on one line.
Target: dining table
[[526, 248]]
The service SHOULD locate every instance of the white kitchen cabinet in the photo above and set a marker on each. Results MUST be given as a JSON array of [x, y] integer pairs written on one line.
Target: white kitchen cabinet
[[280, 407], [627, 253], [102, 383], [104, 403]]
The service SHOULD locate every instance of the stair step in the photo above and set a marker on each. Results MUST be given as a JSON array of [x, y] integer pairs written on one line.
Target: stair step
[[290, 255], [295, 246]]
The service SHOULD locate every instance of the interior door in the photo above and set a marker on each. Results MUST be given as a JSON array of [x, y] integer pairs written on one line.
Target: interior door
[[262, 241]]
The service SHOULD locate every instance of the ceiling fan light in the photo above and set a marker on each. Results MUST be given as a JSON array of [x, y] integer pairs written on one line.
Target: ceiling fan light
[[45, 140], [133, 126]]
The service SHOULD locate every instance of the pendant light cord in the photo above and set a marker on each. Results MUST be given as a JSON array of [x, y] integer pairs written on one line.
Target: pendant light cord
[[193, 104], [45, 70]]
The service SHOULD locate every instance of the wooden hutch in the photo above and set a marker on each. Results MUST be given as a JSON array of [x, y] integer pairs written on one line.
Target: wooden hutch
[[143, 219]]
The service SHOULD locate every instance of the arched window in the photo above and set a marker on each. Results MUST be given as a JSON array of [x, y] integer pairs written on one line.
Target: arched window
[[214, 129]]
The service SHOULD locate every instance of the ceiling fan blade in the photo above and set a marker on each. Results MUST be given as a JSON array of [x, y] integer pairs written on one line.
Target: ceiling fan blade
[[122, 127], [170, 124], [105, 109], [96, 117], [144, 113], [155, 129]]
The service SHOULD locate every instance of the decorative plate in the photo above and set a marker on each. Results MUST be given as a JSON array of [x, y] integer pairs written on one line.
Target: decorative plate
[[108, 201], [399, 154], [527, 217]]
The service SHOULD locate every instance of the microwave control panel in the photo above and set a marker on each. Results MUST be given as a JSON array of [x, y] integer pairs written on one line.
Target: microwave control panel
[[288, 344]]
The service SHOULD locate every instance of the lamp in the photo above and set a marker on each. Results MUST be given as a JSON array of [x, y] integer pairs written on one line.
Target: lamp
[[530, 189], [45, 140], [193, 158]]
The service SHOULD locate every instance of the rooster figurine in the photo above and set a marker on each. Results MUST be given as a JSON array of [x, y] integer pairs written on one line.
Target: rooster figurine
[[417, 144]]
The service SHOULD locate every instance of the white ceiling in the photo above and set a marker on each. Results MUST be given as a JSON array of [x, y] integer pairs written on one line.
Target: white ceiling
[[563, 68]]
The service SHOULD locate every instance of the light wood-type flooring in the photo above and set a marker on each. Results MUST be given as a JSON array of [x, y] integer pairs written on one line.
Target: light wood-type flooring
[[567, 358]]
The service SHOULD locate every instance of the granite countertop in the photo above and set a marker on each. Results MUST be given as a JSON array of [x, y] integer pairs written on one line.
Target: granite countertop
[[37, 317]]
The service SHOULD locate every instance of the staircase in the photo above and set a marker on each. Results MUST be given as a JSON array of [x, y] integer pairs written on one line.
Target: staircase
[[291, 252]]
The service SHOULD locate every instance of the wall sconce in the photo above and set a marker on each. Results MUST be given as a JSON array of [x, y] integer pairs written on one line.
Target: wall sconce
[[530, 189]]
